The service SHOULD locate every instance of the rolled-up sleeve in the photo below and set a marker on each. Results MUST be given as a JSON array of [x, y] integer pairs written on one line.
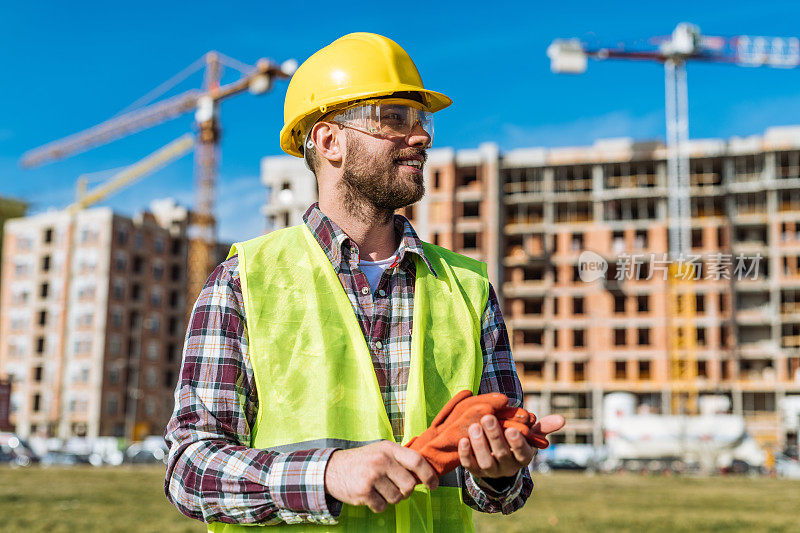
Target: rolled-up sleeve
[[499, 375]]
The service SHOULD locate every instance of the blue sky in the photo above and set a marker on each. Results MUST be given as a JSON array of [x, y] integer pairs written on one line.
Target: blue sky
[[69, 65]]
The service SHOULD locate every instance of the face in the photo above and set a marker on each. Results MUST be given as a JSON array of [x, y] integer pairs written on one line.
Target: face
[[384, 172]]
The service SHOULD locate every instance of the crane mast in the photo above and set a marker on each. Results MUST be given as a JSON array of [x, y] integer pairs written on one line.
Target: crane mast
[[256, 79], [684, 44]]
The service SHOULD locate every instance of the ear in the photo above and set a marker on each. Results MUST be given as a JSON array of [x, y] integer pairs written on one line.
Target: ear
[[328, 139]]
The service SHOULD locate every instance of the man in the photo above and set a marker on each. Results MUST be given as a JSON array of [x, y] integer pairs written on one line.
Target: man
[[315, 351]]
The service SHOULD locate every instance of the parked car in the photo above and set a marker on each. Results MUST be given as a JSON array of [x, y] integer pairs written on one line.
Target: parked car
[[151, 450], [15, 451], [63, 458]]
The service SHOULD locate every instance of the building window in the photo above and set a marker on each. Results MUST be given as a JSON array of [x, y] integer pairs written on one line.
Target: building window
[[702, 369], [138, 264], [700, 303], [620, 370], [158, 271], [121, 262], [114, 345], [436, 179], [169, 379], [472, 209], [619, 303], [576, 245], [470, 241], [155, 297], [138, 239], [556, 334], [37, 402], [37, 374], [44, 290], [644, 336], [46, 263], [644, 370], [620, 337], [532, 337], [111, 405], [40, 345], [119, 290], [175, 273], [159, 245], [122, 236], [642, 303], [701, 336], [43, 317], [113, 376], [136, 291], [640, 239], [579, 371], [48, 235], [533, 369], [578, 338], [152, 351], [577, 305]]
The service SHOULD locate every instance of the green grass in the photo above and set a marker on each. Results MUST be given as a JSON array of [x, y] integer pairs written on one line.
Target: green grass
[[132, 499]]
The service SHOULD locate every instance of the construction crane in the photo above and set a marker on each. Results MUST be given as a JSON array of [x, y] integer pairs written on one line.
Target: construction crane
[[84, 198], [685, 44], [206, 104]]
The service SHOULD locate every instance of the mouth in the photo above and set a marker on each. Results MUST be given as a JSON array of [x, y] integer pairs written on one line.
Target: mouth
[[414, 163]]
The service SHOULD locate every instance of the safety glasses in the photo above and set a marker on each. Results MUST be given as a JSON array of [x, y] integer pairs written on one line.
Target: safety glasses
[[386, 118]]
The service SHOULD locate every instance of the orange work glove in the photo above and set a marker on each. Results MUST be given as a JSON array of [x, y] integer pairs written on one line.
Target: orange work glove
[[523, 421], [439, 443]]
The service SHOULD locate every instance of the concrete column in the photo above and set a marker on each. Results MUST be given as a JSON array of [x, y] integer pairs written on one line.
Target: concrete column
[[493, 202], [597, 417]]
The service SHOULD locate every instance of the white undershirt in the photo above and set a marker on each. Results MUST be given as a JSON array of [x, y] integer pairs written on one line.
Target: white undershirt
[[374, 269]]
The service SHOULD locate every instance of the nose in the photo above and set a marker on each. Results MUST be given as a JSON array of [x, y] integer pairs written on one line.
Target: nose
[[419, 137]]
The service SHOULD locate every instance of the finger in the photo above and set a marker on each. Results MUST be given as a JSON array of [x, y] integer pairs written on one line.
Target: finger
[[521, 450], [413, 461], [403, 479], [466, 456], [483, 454], [549, 424], [375, 501], [497, 440], [388, 490]]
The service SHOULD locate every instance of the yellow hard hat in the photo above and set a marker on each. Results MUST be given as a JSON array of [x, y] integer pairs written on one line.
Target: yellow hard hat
[[355, 67]]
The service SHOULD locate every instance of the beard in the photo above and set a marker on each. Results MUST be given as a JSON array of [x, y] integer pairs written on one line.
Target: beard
[[375, 186]]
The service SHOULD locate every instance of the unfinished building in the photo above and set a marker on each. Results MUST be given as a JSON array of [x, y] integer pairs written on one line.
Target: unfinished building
[[530, 213]]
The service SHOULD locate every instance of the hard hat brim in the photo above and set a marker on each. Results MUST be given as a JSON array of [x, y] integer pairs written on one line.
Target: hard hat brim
[[434, 101]]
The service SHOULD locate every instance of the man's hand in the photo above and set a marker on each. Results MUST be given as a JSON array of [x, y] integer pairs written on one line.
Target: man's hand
[[376, 474], [491, 453]]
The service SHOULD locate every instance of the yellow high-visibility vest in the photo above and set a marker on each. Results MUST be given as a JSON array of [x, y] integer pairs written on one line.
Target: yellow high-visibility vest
[[314, 375]]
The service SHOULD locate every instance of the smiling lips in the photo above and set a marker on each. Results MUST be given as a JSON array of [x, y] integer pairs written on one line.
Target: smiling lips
[[415, 163]]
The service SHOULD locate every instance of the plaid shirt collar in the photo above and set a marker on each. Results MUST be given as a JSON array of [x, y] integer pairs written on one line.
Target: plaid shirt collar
[[332, 240]]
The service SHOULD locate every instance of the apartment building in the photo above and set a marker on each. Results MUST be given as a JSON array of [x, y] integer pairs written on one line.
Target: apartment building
[[93, 320], [530, 213]]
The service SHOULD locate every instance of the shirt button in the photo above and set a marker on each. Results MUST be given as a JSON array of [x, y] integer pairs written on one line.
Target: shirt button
[[365, 291], [381, 292], [378, 345]]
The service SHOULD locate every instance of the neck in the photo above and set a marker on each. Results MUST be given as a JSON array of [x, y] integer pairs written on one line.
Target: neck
[[372, 231]]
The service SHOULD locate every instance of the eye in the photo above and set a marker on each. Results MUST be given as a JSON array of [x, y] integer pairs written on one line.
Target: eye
[[392, 118]]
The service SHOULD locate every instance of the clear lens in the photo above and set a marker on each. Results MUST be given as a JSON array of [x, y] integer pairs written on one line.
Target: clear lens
[[387, 119]]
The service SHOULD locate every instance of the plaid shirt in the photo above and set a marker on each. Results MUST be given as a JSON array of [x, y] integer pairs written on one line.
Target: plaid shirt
[[213, 475]]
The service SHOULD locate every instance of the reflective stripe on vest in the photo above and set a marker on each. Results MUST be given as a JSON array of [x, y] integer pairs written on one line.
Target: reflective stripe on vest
[[314, 375]]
